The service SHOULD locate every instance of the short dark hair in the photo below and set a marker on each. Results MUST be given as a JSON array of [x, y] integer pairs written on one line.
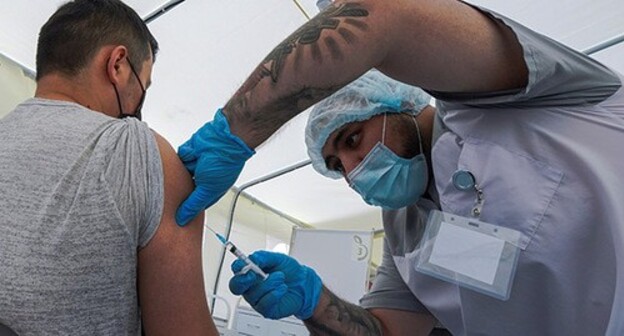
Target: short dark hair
[[78, 29]]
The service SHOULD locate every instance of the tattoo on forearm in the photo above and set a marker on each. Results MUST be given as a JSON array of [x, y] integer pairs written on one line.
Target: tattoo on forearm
[[343, 318], [287, 106], [263, 117], [253, 80], [303, 98], [310, 33]]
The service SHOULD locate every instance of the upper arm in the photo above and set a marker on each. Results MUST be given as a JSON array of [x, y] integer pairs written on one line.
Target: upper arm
[[447, 45], [170, 275], [399, 322], [442, 45]]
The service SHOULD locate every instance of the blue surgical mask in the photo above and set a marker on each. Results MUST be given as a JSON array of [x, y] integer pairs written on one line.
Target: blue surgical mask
[[388, 180]]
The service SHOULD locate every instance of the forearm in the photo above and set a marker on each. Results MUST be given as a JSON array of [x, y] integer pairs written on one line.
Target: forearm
[[334, 316], [323, 55]]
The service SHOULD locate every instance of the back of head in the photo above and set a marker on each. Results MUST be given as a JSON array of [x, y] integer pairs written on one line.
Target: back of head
[[77, 30], [371, 94]]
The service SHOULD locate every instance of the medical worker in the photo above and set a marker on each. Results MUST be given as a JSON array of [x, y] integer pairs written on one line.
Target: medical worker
[[517, 228]]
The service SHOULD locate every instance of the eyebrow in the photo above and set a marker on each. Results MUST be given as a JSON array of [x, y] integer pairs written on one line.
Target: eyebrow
[[339, 137]]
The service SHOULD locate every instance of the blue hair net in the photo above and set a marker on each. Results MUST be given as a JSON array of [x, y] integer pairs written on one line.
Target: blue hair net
[[362, 99]]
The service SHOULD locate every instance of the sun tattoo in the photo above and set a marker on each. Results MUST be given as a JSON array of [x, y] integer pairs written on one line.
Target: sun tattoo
[[310, 33]]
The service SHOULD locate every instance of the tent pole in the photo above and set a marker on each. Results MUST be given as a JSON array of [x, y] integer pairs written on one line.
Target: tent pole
[[162, 10], [604, 45], [303, 11], [27, 71]]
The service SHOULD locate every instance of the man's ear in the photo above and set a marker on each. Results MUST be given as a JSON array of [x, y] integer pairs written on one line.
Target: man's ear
[[114, 70]]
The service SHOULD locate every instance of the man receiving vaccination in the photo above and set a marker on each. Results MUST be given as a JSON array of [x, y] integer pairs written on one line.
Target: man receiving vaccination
[[88, 193]]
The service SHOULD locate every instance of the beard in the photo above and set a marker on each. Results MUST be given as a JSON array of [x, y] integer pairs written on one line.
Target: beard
[[405, 125]]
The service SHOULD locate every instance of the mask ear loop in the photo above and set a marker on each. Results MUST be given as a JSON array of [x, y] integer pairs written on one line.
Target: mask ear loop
[[383, 130], [418, 133], [121, 114]]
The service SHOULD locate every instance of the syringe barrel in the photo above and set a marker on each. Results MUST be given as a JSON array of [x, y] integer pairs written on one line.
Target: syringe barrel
[[236, 251], [250, 264]]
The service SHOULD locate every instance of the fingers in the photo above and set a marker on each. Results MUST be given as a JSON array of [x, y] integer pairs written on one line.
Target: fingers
[[188, 155], [238, 265], [187, 152], [241, 283], [260, 289], [265, 295], [270, 304], [269, 261], [199, 200], [191, 166]]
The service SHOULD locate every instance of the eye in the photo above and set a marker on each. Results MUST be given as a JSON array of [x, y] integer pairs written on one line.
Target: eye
[[352, 140]]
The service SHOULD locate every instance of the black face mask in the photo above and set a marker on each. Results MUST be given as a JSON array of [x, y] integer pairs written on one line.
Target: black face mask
[[137, 111]]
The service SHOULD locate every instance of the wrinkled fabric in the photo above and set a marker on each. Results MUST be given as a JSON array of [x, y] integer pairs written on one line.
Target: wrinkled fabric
[[80, 194], [549, 163]]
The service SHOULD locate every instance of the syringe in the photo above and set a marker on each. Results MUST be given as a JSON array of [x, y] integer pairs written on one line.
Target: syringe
[[249, 265]]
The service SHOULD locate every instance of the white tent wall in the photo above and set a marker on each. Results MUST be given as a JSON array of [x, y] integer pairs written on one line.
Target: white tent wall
[[208, 49]]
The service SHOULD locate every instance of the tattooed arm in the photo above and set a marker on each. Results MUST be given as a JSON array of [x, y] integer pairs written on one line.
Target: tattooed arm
[[334, 316], [442, 45]]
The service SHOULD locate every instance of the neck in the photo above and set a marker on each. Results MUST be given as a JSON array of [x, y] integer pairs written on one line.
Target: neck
[[70, 89]]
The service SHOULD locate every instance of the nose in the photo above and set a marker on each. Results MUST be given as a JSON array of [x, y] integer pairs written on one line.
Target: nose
[[349, 162]]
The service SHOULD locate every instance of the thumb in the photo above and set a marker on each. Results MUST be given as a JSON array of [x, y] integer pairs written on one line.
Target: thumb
[[197, 201]]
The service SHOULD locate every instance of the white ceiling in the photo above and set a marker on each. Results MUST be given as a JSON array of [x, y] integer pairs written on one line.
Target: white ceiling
[[208, 48]]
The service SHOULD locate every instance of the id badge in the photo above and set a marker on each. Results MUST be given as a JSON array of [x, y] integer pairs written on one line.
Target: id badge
[[470, 253]]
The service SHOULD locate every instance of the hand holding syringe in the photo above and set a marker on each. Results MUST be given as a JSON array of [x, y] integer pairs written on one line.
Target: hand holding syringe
[[240, 255]]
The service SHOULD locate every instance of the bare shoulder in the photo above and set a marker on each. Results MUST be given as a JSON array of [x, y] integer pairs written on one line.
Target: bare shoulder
[[178, 181], [171, 285]]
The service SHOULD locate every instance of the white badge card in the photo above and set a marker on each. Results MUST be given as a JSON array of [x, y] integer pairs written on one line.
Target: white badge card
[[473, 254]]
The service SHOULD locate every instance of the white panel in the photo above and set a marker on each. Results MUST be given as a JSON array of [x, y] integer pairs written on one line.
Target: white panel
[[340, 258], [248, 323], [290, 327]]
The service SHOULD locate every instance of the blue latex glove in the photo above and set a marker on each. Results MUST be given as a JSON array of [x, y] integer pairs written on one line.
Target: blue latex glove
[[290, 289], [215, 157]]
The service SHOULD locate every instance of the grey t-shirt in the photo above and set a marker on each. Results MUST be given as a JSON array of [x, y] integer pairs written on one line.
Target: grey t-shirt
[[80, 194]]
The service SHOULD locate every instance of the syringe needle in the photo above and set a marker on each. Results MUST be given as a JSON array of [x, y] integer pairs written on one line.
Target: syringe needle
[[250, 265]]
